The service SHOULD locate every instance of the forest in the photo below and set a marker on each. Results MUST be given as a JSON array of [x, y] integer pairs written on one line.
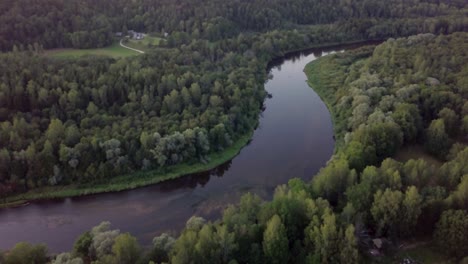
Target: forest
[[84, 121], [404, 91], [92, 119], [88, 23]]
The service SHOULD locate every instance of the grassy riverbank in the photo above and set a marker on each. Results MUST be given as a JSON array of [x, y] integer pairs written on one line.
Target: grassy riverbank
[[324, 77], [129, 181]]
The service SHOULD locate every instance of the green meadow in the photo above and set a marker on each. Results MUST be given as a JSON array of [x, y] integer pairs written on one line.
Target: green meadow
[[115, 51]]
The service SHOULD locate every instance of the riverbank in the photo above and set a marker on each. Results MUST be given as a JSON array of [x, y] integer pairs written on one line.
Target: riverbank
[[295, 123], [145, 178], [313, 71], [129, 181], [326, 77]]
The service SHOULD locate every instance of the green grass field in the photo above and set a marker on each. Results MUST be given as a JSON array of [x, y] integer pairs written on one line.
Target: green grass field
[[145, 44], [115, 51]]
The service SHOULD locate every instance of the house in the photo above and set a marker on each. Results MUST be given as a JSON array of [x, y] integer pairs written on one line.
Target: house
[[136, 35], [118, 34]]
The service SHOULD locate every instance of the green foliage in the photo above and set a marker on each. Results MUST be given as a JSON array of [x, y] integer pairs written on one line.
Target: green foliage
[[459, 197], [386, 97], [195, 223], [323, 240], [437, 140], [452, 172], [360, 155], [90, 119], [349, 252], [360, 196], [418, 173], [184, 248], [411, 210], [81, 117], [385, 211], [82, 245], [126, 249], [464, 127], [275, 241], [243, 223], [395, 213], [162, 245], [103, 241], [295, 227], [386, 138], [25, 253], [451, 233], [202, 243], [87, 24], [331, 181], [451, 120], [383, 97], [408, 118], [226, 243], [206, 249], [202, 92]]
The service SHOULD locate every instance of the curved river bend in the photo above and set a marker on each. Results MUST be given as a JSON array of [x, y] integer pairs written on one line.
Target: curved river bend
[[294, 139]]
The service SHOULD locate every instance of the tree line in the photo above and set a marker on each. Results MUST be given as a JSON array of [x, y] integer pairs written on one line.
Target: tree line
[[332, 219], [90, 119], [87, 23], [94, 118], [403, 94], [406, 86]]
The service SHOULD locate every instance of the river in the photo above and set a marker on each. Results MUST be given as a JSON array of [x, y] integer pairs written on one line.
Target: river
[[294, 139]]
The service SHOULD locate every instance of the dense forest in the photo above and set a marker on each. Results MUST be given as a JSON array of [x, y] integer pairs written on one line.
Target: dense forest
[[88, 23], [94, 118], [413, 91], [399, 97], [88, 120]]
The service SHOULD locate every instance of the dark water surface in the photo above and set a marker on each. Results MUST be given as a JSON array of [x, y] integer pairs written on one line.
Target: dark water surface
[[294, 139]]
